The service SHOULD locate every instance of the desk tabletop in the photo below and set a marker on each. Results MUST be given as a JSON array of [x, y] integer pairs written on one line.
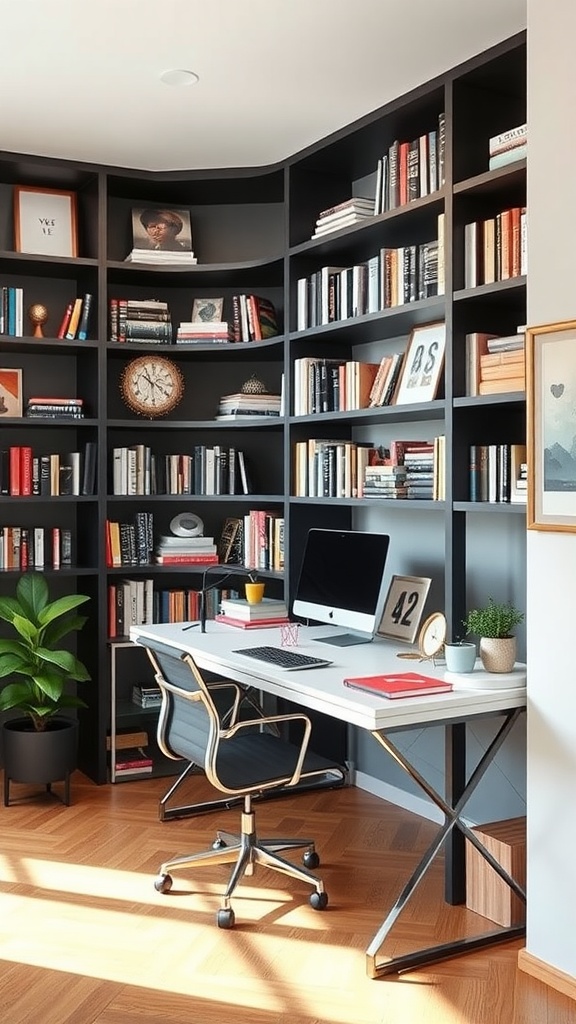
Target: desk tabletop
[[322, 689]]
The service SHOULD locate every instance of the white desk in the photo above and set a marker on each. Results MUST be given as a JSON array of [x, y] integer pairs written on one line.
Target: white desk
[[323, 690]]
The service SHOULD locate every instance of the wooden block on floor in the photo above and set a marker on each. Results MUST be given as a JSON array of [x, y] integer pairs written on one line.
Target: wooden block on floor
[[486, 892]]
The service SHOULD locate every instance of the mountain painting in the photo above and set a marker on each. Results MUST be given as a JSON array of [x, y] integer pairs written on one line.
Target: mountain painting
[[559, 414]]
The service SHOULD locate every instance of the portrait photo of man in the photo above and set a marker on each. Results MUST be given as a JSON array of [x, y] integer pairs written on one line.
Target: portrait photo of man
[[162, 229]]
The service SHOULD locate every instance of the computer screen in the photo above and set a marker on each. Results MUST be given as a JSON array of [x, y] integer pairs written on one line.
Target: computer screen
[[342, 582]]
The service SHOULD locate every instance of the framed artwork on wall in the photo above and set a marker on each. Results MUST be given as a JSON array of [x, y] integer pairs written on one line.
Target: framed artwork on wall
[[551, 409], [422, 365], [45, 221]]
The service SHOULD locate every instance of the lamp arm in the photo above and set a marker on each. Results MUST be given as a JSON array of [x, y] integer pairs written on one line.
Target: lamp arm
[[225, 572]]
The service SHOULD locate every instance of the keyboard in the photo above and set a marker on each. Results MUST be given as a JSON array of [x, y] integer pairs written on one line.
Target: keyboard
[[282, 658]]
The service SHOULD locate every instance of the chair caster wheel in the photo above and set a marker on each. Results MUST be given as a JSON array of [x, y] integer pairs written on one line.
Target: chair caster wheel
[[319, 900], [163, 883], [218, 844], [225, 918], [311, 860]]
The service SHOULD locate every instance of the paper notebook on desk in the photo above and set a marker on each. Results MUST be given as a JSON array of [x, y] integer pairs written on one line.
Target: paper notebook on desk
[[398, 684]]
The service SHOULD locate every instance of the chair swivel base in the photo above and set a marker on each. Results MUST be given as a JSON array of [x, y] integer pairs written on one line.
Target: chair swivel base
[[245, 851]]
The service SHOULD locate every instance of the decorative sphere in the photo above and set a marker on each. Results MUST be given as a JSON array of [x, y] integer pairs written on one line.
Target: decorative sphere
[[38, 313], [254, 386]]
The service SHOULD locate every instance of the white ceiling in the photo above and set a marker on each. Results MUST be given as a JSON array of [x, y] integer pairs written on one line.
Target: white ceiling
[[80, 79]]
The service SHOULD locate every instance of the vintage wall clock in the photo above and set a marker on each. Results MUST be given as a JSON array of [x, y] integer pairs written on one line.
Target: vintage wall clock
[[151, 385]]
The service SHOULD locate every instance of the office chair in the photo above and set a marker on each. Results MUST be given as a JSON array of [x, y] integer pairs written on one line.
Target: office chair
[[239, 760]]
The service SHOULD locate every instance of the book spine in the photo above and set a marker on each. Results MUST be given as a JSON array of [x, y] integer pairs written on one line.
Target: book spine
[[65, 320], [74, 320], [83, 325]]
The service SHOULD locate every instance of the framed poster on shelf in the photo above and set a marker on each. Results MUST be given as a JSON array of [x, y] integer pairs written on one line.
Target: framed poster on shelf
[[10, 392], [551, 405], [423, 364], [45, 221], [403, 607]]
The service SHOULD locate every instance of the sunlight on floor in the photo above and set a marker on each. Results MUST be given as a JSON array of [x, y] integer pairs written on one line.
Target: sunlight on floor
[[71, 919]]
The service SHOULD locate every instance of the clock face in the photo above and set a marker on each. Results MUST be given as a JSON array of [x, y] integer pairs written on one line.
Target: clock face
[[152, 385], [432, 635]]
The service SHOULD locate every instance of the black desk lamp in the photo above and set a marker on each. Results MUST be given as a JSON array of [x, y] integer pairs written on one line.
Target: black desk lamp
[[225, 572]]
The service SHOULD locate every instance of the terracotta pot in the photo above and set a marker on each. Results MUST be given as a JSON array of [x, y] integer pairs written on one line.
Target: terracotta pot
[[498, 654]]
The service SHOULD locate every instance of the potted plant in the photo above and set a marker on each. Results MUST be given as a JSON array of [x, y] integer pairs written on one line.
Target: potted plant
[[494, 624], [41, 746]]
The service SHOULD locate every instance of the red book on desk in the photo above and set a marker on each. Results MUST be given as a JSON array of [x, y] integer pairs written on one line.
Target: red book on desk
[[399, 684]]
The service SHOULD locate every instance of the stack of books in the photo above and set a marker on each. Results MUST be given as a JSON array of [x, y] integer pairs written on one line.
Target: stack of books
[[351, 211], [172, 550], [141, 320], [507, 147], [146, 696], [237, 612], [54, 407], [198, 332], [240, 406], [495, 365], [132, 761]]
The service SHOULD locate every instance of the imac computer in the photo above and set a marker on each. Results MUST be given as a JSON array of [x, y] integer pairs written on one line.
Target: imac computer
[[342, 583]]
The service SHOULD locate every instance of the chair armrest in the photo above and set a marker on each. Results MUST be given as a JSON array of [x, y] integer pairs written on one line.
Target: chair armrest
[[232, 713], [274, 720]]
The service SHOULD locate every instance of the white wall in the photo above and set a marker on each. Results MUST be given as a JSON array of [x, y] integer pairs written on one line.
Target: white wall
[[551, 608]]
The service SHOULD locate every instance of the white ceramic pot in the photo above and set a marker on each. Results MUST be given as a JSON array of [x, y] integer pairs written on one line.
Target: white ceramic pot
[[498, 654]]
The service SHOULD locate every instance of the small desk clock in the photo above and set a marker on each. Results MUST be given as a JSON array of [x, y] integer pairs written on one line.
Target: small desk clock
[[431, 638], [151, 385]]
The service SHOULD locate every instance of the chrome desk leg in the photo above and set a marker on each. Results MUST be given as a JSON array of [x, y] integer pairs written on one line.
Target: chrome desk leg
[[432, 954]]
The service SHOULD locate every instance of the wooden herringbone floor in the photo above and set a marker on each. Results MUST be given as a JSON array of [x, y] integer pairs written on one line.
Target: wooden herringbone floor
[[85, 939]]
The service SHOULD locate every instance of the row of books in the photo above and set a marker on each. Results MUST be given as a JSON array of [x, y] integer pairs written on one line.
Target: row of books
[[55, 407], [24, 473], [392, 277], [508, 146], [142, 320], [495, 249], [138, 602], [254, 318], [411, 170], [11, 311], [217, 469], [495, 364], [76, 318], [339, 385], [129, 543], [263, 540], [498, 473], [36, 547], [326, 468]]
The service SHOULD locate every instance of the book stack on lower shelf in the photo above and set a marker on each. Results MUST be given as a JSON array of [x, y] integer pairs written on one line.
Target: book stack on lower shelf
[[131, 757], [351, 211], [268, 612], [186, 551]]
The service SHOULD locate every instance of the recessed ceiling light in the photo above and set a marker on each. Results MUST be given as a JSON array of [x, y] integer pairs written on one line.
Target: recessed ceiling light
[[178, 76]]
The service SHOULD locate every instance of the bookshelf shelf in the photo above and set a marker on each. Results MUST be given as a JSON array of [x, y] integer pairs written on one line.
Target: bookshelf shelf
[[252, 233]]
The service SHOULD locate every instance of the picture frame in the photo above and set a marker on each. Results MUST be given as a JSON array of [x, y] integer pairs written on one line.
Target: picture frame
[[207, 311], [45, 221], [10, 392], [230, 542], [176, 235], [403, 608], [550, 401], [423, 364]]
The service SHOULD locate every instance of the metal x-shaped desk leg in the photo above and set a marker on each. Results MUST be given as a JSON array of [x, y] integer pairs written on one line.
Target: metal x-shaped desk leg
[[432, 954]]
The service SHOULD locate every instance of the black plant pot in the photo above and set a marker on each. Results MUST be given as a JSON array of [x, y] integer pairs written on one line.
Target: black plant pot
[[39, 757]]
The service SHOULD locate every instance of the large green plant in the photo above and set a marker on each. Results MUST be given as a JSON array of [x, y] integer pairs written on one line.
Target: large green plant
[[493, 620], [42, 669]]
